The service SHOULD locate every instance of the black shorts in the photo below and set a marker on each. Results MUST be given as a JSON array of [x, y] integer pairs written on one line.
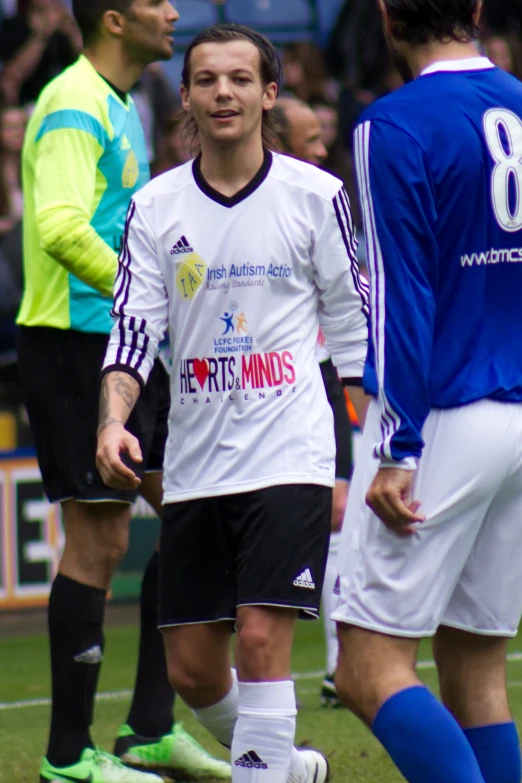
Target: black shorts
[[60, 373], [267, 547], [342, 423]]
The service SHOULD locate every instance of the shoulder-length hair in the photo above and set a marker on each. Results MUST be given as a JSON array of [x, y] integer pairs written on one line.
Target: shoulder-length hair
[[270, 71]]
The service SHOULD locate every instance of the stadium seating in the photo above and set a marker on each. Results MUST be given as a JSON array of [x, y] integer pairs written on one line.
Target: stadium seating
[[327, 13], [172, 70], [283, 21], [195, 15]]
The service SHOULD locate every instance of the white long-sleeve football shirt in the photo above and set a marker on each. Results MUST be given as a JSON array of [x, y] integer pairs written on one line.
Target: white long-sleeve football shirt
[[242, 284]]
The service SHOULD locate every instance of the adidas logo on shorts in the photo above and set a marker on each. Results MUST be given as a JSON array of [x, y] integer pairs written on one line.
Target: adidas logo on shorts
[[181, 247], [305, 580], [250, 760]]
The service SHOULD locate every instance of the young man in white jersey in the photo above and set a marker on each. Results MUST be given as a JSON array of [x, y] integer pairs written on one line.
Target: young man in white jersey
[[435, 550], [299, 134], [242, 254], [84, 156]]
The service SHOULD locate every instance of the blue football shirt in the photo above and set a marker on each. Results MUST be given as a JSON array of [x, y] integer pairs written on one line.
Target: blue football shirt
[[439, 166]]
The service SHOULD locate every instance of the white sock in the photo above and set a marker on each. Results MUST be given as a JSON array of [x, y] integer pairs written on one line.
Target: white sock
[[330, 629], [220, 719], [264, 735]]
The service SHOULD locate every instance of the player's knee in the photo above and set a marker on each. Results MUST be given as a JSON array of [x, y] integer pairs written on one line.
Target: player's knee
[[96, 559], [113, 552], [356, 684], [255, 652], [196, 682]]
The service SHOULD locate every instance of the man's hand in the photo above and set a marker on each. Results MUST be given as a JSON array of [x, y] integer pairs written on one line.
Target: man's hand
[[113, 441], [389, 497], [46, 23]]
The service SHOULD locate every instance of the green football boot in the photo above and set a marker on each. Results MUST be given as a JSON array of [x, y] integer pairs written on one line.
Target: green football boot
[[175, 755], [95, 766]]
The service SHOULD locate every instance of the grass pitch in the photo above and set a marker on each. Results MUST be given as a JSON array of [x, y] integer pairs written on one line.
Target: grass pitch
[[24, 682]]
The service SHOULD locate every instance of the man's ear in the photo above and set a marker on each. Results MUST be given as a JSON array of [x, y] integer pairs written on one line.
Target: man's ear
[[478, 12], [114, 22], [185, 99], [385, 17], [270, 97]]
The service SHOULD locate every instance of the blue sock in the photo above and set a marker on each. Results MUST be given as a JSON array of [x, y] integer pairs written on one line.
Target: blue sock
[[498, 752], [424, 740]]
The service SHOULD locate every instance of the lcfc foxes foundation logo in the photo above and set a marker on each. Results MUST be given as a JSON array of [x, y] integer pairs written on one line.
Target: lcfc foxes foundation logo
[[235, 337]]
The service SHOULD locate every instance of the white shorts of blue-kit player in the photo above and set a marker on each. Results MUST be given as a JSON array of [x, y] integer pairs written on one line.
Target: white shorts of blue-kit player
[[462, 568]]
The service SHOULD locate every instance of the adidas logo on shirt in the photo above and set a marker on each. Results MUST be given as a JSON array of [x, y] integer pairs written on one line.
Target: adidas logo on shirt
[[250, 760], [305, 580], [92, 655], [181, 247]]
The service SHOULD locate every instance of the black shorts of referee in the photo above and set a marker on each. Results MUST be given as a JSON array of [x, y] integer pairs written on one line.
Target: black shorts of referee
[[60, 376]]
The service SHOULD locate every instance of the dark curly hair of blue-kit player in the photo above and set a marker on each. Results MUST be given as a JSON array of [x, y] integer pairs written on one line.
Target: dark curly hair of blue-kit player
[[422, 21]]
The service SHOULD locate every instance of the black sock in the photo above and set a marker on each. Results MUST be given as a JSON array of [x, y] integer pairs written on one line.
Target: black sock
[[76, 614], [151, 712]]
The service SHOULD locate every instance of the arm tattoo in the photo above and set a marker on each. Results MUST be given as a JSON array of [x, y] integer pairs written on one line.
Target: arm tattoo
[[105, 418], [125, 389], [104, 423]]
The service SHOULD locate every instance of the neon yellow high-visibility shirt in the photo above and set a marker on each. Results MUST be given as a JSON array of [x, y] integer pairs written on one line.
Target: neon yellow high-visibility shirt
[[84, 156]]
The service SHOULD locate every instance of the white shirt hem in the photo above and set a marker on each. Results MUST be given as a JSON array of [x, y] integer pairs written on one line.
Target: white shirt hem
[[219, 490]]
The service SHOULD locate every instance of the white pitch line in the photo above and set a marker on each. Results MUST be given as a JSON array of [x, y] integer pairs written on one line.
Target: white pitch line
[[119, 695], [107, 696]]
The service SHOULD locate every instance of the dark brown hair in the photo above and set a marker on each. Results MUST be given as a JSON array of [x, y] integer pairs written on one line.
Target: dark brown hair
[[421, 21], [269, 66], [89, 14]]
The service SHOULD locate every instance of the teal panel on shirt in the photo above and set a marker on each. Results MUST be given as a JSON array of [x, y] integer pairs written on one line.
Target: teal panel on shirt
[[89, 310], [125, 166], [73, 119]]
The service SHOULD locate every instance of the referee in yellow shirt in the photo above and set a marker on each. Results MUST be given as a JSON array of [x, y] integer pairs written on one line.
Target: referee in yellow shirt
[[83, 159]]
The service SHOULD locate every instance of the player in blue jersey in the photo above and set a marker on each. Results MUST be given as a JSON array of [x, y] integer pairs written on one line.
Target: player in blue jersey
[[436, 551]]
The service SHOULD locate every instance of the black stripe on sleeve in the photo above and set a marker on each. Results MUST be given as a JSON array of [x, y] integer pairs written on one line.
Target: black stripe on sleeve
[[122, 294], [143, 352], [135, 337], [354, 266]]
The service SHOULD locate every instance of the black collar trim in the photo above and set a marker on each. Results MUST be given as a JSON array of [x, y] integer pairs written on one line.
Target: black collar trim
[[241, 195], [121, 95]]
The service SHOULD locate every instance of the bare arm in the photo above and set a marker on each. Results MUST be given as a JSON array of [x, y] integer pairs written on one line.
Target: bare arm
[[22, 65], [360, 402], [118, 396], [25, 61]]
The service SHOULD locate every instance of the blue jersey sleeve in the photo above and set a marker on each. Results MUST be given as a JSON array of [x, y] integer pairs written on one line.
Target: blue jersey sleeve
[[400, 223]]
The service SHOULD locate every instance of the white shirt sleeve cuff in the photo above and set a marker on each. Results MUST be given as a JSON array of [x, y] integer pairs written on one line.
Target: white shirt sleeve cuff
[[410, 463]]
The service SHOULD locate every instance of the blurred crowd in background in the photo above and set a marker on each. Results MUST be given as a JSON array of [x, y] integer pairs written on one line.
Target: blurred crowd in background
[[334, 59]]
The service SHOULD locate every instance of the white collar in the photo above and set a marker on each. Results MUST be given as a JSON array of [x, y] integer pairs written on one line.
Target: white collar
[[470, 64]]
